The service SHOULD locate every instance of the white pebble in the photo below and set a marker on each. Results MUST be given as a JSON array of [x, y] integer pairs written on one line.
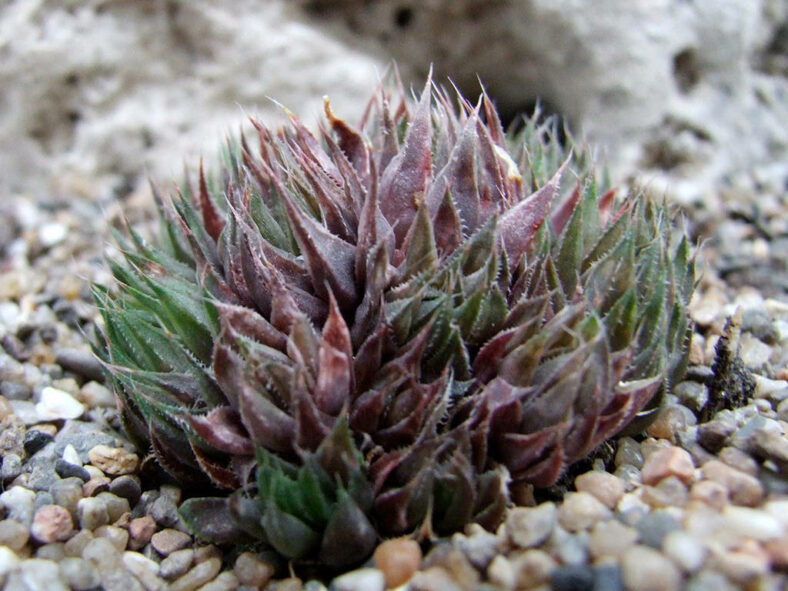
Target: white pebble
[[765, 386], [370, 579], [18, 503], [685, 550], [145, 569], [56, 404], [779, 510], [52, 233], [8, 560], [71, 455], [9, 315], [25, 411], [751, 523]]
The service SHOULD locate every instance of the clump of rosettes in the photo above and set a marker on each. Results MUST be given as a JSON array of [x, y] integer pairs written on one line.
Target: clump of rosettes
[[373, 331]]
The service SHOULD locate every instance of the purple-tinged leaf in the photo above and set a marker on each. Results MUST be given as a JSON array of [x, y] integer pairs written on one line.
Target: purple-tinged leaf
[[212, 218], [459, 178], [403, 183], [351, 141], [222, 429], [519, 225], [268, 425], [251, 324], [330, 260], [335, 363], [220, 475]]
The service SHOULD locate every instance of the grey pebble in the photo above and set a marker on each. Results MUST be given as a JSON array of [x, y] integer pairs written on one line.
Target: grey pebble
[[12, 467], [128, 487], [66, 469], [15, 391], [81, 362], [572, 578], [42, 475], [692, 394], [67, 493], [164, 511], [607, 577], [53, 551], [653, 528], [759, 323], [83, 436], [43, 497], [116, 506], [712, 435]]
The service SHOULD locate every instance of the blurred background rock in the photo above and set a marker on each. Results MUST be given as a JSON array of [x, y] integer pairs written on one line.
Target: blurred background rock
[[97, 95]]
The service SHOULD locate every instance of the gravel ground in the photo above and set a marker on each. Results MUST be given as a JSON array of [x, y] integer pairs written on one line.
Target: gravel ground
[[698, 502]]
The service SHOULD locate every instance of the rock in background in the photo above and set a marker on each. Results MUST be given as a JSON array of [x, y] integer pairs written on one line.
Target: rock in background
[[98, 94], [675, 89]]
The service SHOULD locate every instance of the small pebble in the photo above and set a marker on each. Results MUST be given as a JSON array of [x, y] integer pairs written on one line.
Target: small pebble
[[530, 526], [117, 535], [113, 460], [742, 488], [669, 492], [167, 541], [224, 581], [141, 530], [97, 395], [629, 453], [67, 493], [12, 467], [670, 461], [66, 469], [36, 440], [57, 404], [127, 487], [116, 506], [685, 550], [611, 539], [92, 513], [199, 575], [71, 455], [79, 574], [712, 435], [751, 523], [249, 569], [145, 570], [645, 569], [81, 362], [572, 578], [41, 574], [653, 528], [363, 579], [478, 545], [500, 572], [76, 545], [164, 511], [668, 422], [52, 523], [580, 511], [397, 560], [532, 568], [178, 562], [712, 493], [605, 487], [13, 534], [692, 394]]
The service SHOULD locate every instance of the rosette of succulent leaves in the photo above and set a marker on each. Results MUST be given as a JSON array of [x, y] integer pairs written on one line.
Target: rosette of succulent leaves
[[371, 331]]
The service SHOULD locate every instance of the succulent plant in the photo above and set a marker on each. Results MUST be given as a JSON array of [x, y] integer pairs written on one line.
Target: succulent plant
[[374, 331]]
